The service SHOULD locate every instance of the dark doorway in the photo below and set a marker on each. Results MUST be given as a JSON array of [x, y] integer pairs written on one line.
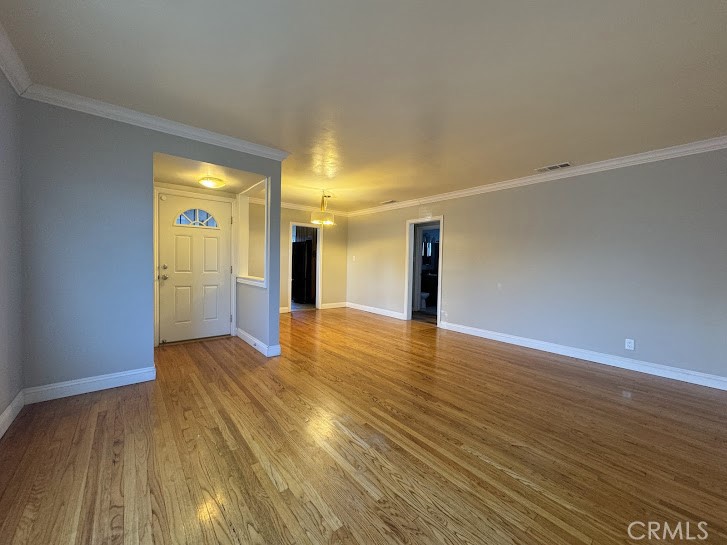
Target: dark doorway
[[425, 281], [304, 252]]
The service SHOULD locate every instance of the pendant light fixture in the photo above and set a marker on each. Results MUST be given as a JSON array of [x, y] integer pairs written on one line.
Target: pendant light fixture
[[323, 217]]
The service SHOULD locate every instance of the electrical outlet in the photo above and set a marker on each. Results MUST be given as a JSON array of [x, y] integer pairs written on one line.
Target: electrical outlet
[[629, 344]]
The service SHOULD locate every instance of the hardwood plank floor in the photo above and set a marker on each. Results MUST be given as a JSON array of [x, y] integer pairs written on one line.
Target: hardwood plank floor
[[367, 430]]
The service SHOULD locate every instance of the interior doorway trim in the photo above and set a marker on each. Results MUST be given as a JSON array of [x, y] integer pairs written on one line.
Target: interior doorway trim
[[319, 261], [233, 251], [409, 260]]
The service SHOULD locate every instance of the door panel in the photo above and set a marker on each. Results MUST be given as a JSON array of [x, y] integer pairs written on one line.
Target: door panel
[[182, 304], [211, 254], [194, 298], [211, 298], [182, 254]]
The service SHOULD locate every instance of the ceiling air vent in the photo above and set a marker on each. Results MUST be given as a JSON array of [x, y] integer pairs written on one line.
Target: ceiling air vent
[[390, 201], [552, 167]]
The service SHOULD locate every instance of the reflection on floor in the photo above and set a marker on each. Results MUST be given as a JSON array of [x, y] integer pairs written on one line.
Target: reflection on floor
[[367, 430], [423, 316], [299, 306]]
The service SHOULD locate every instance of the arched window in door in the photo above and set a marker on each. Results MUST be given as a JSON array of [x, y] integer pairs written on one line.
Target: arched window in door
[[196, 217]]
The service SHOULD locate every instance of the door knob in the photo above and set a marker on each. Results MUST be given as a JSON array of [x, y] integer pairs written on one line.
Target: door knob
[[164, 277]]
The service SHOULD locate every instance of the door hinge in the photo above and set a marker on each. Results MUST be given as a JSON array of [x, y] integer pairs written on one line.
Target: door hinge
[[232, 220], [230, 269], [230, 318]]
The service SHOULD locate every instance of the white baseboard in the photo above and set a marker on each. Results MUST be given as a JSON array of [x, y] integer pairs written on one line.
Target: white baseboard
[[258, 345], [323, 306], [36, 394], [665, 371], [58, 390], [376, 310], [12, 410]]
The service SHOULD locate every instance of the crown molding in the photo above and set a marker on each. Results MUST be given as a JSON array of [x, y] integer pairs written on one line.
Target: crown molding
[[11, 65], [13, 68], [55, 97], [17, 75], [303, 207], [702, 146]]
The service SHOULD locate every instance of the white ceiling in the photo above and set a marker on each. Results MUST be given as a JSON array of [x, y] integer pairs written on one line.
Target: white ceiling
[[180, 171], [397, 99]]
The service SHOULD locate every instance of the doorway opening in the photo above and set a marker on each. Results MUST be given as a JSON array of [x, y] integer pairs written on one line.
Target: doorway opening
[[210, 231], [304, 270], [424, 272]]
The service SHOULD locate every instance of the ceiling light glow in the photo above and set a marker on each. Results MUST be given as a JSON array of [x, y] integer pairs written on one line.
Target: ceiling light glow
[[212, 183]]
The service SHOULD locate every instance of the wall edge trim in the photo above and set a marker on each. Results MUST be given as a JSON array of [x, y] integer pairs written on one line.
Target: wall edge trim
[[11, 412], [673, 152], [11, 65], [57, 390], [98, 108], [257, 344], [325, 306], [377, 310], [654, 369]]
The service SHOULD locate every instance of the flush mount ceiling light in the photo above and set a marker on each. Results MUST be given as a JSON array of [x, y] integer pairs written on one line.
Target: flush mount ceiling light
[[323, 217], [212, 183]]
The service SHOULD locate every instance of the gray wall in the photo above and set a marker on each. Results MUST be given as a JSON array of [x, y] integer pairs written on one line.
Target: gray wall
[[638, 252], [256, 240], [256, 325], [264, 325], [273, 269], [333, 274], [11, 373], [87, 240]]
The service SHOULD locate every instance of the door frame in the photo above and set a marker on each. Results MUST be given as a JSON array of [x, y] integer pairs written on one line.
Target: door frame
[[233, 250], [319, 261], [409, 268]]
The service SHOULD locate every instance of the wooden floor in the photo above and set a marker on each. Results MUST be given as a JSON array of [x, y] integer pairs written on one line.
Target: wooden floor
[[366, 431]]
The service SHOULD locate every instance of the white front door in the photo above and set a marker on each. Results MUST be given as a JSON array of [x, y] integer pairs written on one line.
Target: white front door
[[194, 268]]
